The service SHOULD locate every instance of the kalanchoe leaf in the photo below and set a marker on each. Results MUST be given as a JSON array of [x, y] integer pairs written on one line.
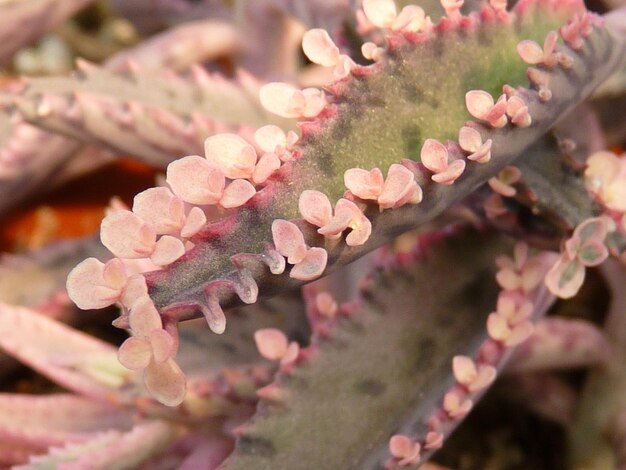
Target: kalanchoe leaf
[[345, 137], [378, 366], [40, 16]]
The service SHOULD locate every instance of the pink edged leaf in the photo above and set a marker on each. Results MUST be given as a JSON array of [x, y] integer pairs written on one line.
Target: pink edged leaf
[[160, 209], [483, 155], [70, 358], [196, 219], [135, 353], [565, 278], [289, 241], [344, 215], [359, 223], [399, 188], [107, 450], [269, 137], [45, 420], [195, 180], [163, 346], [127, 236], [450, 174], [410, 19], [237, 193], [92, 284], [231, 154], [478, 103], [312, 266], [496, 115], [434, 156], [272, 343], [167, 250], [320, 48], [364, 184], [266, 166], [315, 207], [530, 52], [593, 229], [144, 317], [380, 13], [166, 382], [517, 110]]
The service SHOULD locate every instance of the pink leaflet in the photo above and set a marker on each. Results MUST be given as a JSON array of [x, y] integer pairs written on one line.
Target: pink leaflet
[[196, 219], [89, 288], [271, 343], [167, 250], [530, 52], [380, 13], [399, 188], [315, 208], [287, 101], [517, 110], [403, 448], [267, 165], [364, 184], [289, 241], [410, 19], [195, 180], [237, 193], [231, 154], [135, 353], [269, 137], [127, 236], [160, 209], [312, 266], [434, 156], [451, 173], [326, 304], [320, 48], [166, 382], [144, 317]]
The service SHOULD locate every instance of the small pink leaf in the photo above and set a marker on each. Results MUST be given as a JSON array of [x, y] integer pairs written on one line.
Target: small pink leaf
[[160, 209], [135, 353], [269, 137], [478, 103], [320, 48], [364, 184], [399, 184], [195, 180], [237, 193], [530, 52], [464, 370], [315, 207], [485, 377], [144, 317], [278, 99], [163, 345], [271, 343], [166, 382], [135, 288], [266, 166], [403, 448], [88, 288], [127, 236], [470, 139], [410, 19], [434, 156], [565, 278], [312, 266], [380, 13], [167, 250], [231, 154], [196, 219], [451, 173], [288, 240]]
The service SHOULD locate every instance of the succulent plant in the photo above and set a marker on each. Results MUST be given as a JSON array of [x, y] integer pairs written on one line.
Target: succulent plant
[[473, 127]]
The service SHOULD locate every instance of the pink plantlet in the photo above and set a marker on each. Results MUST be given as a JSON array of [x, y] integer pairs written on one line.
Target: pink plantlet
[[160, 209], [383, 14], [272, 139], [127, 236], [571, 33], [134, 289], [513, 307], [196, 181], [605, 176], [195, 220], [480, 104], [237, 193], [585, 248], [289, 102], [151, 349], [167, 250], [434, 440], [452, 7], [93, 284], [503, 182], [320, 49], [500, 330], [371, 51], [326, 305], [312, 266], [533, 54], [289, 241], [348, 215], [315, 208], [274, 345], [266, 166], [367, 185], [517, 110], [404, 449], [434, 156], [521, 272], [231, 154], [471, 142], [471, 376], [400, 188], [456, 405]]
